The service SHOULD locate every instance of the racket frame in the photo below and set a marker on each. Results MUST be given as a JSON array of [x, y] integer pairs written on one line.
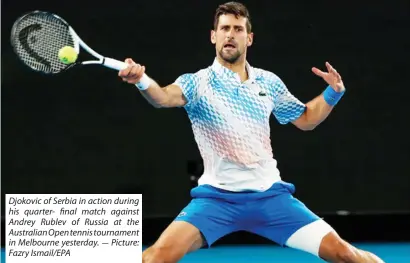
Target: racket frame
[[101, 60], [78, 44]]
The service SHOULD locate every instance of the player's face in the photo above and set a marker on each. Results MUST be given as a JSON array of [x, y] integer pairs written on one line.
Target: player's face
[[231, 38]]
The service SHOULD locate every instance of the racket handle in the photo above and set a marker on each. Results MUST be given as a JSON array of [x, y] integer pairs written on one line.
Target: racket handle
[[119, 65], [114, 64]]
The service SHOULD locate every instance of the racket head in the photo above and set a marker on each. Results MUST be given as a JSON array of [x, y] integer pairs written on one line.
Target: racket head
[[37, 37]]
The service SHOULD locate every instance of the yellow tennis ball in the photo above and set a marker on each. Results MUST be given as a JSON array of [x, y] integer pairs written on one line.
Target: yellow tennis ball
[[67, 55]]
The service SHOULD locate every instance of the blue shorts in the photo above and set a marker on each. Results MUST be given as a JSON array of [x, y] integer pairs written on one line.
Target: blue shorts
[[274, 214]]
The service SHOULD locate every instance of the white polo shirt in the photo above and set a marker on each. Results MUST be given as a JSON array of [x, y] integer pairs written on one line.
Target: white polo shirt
[[230, 121]]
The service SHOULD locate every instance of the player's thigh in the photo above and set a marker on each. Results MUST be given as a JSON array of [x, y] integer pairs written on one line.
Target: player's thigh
[[213, 217], [310, 237], [181, 234], [202, 221], [178, 239], [281, 216]]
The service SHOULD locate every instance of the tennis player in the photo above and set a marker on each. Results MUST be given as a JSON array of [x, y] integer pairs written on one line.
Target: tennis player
[[229, 104]]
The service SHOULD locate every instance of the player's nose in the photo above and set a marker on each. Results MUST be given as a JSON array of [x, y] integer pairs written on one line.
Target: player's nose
[[229, 36]]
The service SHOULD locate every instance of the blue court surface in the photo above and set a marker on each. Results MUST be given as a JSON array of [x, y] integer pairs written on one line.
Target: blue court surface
[[389, 252]]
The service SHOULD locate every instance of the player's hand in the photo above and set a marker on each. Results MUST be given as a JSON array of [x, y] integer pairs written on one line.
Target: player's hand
[[332, 77], [133, 73]]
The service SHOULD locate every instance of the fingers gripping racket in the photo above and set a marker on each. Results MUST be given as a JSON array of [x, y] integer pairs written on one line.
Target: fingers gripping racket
[[38, 36]]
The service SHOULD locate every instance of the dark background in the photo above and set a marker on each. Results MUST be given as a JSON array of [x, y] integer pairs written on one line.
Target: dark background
[[87, 132]]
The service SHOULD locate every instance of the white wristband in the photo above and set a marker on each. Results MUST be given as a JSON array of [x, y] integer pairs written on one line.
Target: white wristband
[[144, 82]]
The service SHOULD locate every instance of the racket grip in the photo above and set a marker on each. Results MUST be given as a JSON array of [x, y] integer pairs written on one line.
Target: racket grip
[[114, 64], [119, 65]]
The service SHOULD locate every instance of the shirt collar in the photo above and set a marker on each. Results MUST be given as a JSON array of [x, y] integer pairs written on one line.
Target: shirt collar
[[220, 69]]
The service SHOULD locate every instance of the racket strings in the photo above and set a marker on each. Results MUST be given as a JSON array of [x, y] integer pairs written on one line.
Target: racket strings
[[38, 39]]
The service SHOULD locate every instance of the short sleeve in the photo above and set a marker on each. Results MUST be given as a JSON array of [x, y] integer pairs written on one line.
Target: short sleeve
[[287, 107], [189, 84]]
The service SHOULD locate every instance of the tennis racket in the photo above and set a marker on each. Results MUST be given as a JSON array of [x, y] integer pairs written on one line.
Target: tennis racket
[[38, 36]]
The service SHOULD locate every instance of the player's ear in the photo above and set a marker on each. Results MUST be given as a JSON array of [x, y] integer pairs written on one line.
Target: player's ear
[[250, 39], [213, 37]]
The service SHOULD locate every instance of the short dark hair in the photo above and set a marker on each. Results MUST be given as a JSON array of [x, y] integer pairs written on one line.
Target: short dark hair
[[233, 8]]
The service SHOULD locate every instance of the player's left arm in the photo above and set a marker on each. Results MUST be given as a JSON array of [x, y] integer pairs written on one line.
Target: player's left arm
[[318, 109]]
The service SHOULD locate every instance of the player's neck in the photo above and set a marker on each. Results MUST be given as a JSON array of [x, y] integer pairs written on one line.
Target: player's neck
[[238, 67]]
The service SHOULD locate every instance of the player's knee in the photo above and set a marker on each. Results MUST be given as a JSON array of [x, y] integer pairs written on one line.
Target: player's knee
[[156, 254], [345, 253], [334, 249]]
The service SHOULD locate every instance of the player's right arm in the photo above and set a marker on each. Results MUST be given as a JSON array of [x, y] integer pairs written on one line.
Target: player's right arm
[[159, 97]]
